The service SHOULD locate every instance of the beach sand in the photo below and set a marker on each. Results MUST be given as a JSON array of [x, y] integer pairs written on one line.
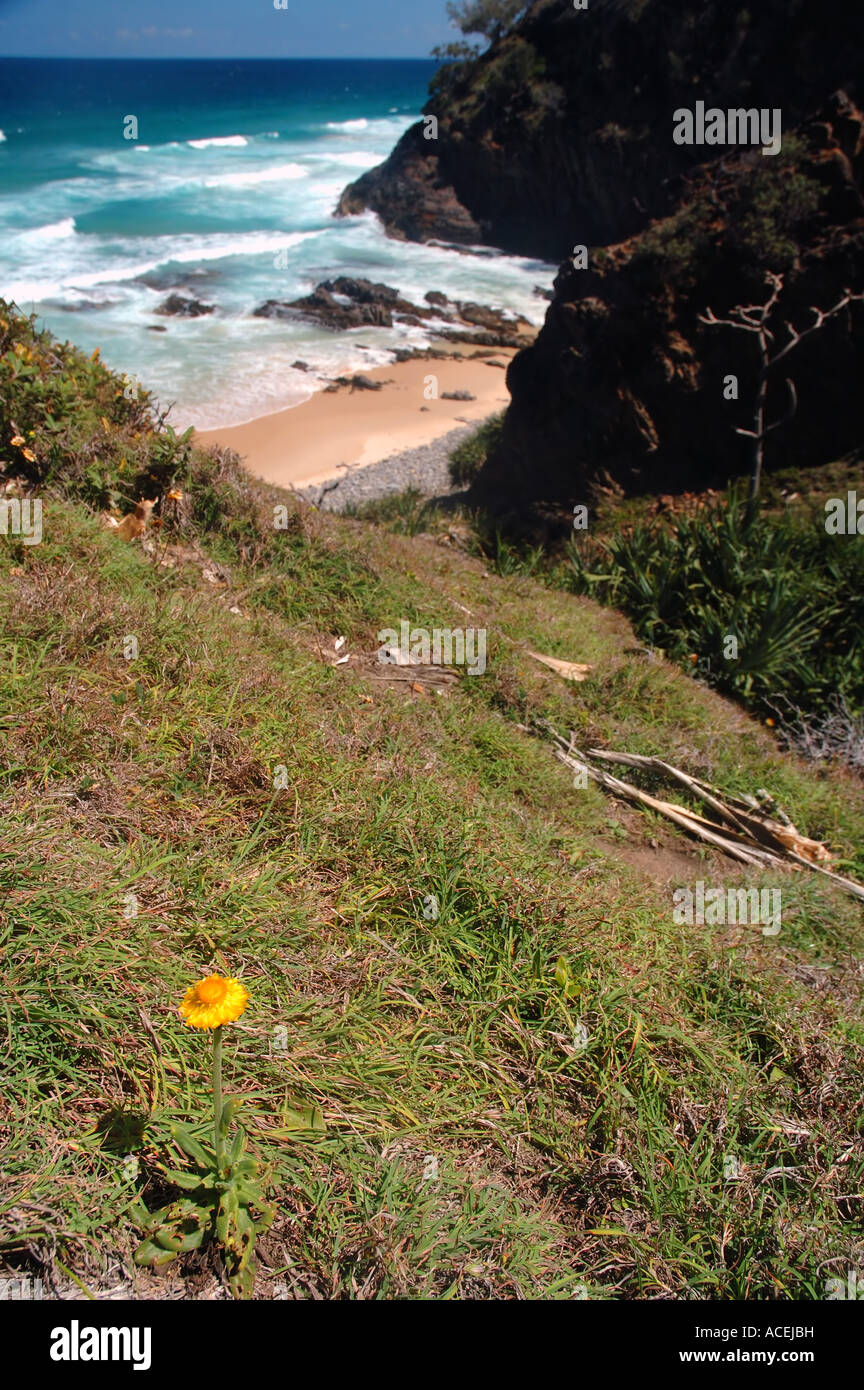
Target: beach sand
[[308, 443]]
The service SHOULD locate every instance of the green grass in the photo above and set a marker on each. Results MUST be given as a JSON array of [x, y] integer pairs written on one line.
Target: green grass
[[432, 1120]]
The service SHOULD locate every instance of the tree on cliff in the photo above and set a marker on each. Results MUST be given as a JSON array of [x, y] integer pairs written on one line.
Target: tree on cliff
[[755, 318], [491, 18]]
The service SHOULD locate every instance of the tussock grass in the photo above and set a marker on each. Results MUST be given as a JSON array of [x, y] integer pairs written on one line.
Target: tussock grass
[[533, 1093]]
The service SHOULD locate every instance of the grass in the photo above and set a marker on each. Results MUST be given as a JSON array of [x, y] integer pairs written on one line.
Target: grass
[[533, 1093]]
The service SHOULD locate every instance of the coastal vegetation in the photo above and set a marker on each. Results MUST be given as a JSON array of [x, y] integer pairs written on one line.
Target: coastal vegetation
[[479, 1057]]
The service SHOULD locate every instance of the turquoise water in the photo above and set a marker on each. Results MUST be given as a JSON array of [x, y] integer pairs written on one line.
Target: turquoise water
[[228, 192]]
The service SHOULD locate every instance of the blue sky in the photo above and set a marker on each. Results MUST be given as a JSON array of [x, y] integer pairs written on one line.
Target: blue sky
[[222, 28]]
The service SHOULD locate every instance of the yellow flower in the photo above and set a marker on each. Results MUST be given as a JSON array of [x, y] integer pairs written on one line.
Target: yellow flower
[[18, 440], [29, 455], [213, 1001]]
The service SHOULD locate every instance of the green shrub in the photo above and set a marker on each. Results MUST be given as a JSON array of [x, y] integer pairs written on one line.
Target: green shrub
[[468, 458], [790, 595]]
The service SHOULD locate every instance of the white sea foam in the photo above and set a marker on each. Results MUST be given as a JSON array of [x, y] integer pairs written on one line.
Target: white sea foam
[[247, 178], [2, 137], [358, 159], [180, 250], [83, 271], [52, 231], [218, 141]]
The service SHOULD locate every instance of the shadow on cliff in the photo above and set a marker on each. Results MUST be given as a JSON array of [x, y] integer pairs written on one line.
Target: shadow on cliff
[[627, 385]]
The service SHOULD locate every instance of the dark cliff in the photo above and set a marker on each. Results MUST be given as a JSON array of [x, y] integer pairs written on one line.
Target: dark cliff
[[561, 132], [561, 135], [626, 382]]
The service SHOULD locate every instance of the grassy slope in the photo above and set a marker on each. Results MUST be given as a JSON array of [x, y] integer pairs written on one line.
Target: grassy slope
[[556, 1167]]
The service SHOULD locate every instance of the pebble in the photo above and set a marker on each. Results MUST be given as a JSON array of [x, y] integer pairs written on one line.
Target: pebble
[[425, 468]]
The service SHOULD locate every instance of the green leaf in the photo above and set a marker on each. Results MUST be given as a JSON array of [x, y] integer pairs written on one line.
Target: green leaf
[[192, 1146], [229, 1110], [241, 1280], [238, 1146], [150, 1254], [307, 1119], [564, 979], [189, 1181], [228, 1208]]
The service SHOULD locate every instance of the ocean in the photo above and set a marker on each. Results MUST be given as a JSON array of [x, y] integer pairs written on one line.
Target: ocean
[[228, 192]]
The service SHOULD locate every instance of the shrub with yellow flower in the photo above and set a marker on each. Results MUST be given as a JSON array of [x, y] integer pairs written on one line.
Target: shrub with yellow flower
[[214, 1001], [222, 1193]]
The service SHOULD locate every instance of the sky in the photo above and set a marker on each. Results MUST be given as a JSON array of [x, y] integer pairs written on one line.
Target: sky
[[222, 28]]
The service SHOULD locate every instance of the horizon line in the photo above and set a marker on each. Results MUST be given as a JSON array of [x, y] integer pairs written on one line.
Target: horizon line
[[215, 58]]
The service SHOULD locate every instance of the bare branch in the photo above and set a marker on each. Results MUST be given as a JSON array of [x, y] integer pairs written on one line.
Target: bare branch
[[793, 406], [754, 318]]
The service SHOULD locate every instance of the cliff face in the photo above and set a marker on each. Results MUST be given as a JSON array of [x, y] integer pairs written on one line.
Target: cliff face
[[562, 132], [626, 383]]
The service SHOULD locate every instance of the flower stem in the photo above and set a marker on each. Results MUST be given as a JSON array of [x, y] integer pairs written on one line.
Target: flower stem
[[217, 1096]]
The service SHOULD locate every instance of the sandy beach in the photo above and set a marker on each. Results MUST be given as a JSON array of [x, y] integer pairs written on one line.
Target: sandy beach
[[310, 442]]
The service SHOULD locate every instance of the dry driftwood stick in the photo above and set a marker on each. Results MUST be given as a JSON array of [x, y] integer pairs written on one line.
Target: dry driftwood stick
[[764, 844], [696, 825], [746, 820], [658, 765]]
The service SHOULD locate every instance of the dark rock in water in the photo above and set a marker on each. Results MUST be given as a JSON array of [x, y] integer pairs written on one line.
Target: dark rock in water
[[436, 297], [184, 307], [426, 354], [322, 307], [274, 309], [362, 291], [156, 328], [173, 278], [561, 132], [539, 291], [492, 340], [457, 396], [494, 319], [346, 302], [412, 195], [78, 306], [300, 366], [358, 382]]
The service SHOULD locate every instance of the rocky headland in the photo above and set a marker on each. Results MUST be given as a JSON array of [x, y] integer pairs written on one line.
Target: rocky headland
[[558, 142]]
